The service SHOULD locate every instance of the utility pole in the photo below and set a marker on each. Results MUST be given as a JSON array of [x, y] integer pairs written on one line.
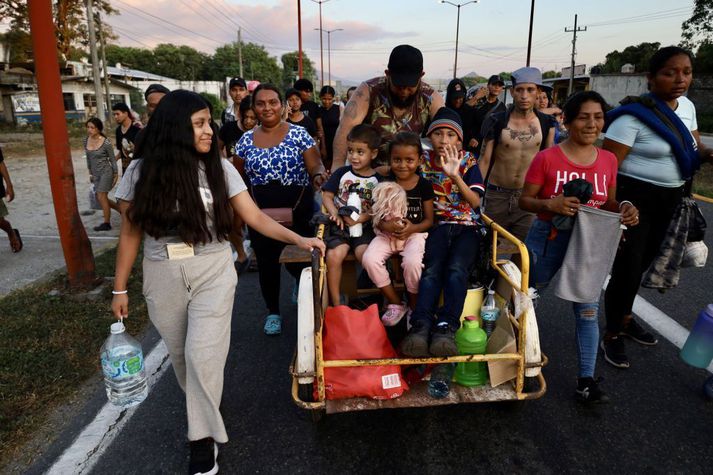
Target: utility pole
[[240, 52], [76, 247], [321, 42], [299, 39], [574, 52], [457, 5], [105, 68], [95, 60], [529, 37], [329, 53]]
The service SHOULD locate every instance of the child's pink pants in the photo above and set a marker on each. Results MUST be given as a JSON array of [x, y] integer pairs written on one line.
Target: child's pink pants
[[380, 249]]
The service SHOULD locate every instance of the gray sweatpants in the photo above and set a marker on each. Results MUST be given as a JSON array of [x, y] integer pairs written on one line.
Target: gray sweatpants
[[190, 301]]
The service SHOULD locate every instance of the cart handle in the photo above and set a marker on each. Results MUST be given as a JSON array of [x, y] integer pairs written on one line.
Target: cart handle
[[523, 285]]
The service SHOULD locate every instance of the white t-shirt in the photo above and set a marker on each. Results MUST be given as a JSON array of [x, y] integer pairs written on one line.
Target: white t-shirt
[[651, 158], [155, 249]]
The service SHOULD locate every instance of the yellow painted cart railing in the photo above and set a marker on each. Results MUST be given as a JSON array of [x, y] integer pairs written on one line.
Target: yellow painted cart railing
[[311, 395]]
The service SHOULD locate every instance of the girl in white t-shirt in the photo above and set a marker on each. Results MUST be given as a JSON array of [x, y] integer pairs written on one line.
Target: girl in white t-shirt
[[180, 197]]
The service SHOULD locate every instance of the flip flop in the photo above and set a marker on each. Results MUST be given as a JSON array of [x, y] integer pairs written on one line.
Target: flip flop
[[273, 324], [18, 246]]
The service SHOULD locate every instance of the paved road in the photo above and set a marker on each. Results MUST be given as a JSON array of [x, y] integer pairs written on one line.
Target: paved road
[[657, 421]]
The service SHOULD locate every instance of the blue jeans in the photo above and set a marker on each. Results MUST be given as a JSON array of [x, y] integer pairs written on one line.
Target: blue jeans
[[546, 256], [451, 250]]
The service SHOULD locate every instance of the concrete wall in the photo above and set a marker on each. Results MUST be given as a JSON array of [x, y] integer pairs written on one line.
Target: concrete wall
[[701, 93], [615, 87], [213, 87]]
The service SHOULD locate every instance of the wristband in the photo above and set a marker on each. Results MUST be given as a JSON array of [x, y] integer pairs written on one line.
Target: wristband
[[625, 202], [119, 292]]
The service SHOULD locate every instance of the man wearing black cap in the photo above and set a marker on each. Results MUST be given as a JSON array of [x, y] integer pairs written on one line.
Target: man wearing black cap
[[513, 139], [237, 90], [153, 95], [397, 101], [486, 102], [306, 90]]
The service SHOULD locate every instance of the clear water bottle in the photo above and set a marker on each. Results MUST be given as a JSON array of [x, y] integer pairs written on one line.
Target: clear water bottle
[[489, 313], [354, 201], [440, 383], [122, 363]]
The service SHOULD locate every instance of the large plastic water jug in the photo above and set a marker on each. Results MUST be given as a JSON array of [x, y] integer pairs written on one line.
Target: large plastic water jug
[[471, 340], [123, 365], [698, 350]]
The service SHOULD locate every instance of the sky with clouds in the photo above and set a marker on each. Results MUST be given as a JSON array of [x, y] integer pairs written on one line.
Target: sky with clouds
[[493, 33]]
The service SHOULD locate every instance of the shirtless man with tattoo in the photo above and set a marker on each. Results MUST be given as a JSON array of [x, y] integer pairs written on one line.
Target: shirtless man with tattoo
[[398, 101], [513, 139]]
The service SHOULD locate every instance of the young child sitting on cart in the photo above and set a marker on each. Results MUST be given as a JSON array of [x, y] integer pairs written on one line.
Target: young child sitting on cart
[[362, 147], [452, 245], [411, 231]]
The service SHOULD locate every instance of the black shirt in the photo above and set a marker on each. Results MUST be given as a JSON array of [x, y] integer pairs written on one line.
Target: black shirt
[[310, 108], [230, 133], [481, 111], [423, 191], [125, 142], [307, 123]]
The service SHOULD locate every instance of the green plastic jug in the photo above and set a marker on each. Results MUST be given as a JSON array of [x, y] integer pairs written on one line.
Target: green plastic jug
[[471, 340]]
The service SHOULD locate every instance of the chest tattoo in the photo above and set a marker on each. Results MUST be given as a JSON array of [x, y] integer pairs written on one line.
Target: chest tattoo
[[523, 135]]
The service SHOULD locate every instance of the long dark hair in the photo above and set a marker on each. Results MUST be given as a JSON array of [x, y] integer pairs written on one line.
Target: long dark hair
[[167, 199]]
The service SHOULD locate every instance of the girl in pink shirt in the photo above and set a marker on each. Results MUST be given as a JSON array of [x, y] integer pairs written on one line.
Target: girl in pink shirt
[[551, 169]]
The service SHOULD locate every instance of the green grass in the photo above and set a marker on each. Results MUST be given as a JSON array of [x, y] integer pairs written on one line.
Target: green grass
[[49, 347], [703, 182], [20, 142]]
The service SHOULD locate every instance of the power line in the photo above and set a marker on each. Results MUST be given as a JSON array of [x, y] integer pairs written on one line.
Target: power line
[[170, 23], [209, 20]]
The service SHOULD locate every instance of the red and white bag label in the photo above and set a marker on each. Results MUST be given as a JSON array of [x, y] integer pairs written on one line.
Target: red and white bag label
[[390, 381]]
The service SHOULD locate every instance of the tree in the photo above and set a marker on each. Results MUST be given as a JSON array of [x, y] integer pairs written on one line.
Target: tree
[[551, 74], [505, 76], [290, 68], [216, 104], [20, 44], [698, 29], [471, 81], [134, 58], [638, 55], [179, 62], [257, 64], [69, 18], [703, 62]]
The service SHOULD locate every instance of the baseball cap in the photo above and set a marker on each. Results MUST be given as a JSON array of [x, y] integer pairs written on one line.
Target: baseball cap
[[447, 118], [155, 88], [527, 75], [405, 66], [496, 79], [237, 82]]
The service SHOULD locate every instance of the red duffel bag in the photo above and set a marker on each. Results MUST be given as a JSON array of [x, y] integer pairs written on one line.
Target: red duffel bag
[[355, 334]]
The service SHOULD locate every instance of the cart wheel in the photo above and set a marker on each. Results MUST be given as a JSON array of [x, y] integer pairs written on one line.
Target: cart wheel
[[306, 392]]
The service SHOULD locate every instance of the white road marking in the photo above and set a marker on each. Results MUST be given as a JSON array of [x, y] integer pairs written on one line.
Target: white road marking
[[96, 437], [666, 326]]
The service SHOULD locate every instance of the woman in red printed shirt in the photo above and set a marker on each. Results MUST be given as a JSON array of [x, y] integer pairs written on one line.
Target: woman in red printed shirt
[[576, 157]]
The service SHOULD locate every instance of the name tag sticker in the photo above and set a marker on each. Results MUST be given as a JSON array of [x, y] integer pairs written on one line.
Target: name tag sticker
[[179, 251]]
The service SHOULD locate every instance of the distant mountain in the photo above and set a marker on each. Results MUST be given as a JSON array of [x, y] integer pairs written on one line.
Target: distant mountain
[[471, 74]]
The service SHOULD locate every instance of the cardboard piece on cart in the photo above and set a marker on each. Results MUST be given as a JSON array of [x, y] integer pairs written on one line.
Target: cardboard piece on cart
[[502, 340]]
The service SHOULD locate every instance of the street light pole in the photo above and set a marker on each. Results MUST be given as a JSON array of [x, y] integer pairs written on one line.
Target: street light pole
[[457, 5], [329, 53], [321, 47], [529, 36], [299, 38]]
